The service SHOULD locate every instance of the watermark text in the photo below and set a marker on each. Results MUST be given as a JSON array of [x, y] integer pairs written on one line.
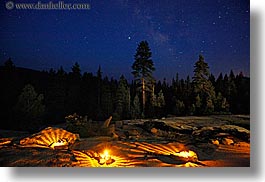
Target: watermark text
[[60, 5]]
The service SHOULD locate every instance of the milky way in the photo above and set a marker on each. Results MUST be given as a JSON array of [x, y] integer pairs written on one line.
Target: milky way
[[108, 34]]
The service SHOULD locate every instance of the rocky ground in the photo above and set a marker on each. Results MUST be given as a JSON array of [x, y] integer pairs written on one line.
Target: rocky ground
[[210, 141]]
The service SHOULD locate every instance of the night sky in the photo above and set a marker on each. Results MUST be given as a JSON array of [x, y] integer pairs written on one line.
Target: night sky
[[108, 34]]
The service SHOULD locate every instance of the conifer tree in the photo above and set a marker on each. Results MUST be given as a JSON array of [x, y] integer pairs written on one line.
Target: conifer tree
[[135, 110], [29, 109], [143, 68], [203, 88], [123, 99]]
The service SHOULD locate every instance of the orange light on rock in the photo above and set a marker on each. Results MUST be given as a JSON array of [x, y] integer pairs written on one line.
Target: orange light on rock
[[187, 156], [105, 155], [51, 138], [105, 158], [58, 144]]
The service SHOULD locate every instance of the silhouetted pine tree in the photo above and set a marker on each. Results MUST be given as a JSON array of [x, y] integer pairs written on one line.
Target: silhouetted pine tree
[[143, 68], [9, 65], [106, 98], [29, 109], [73, 89], [123, 105], [243, 94], [136, 108], [88, 95], [99, 94], [203, 88], [55, 96], [219, 85], [160, 104]]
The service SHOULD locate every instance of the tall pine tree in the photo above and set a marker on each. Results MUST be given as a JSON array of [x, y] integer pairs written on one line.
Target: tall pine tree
[[143, 68], [203, 89]]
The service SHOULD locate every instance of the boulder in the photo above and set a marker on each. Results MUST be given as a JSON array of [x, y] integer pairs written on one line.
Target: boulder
[[118, 124], [223, 131], [242, 144], [107, 131], [107, 122], [115, 136], [227, 141], [237, 131], [204, 151], [133, 132], [127, 127], [154, 130], [204, 131], [215, 142]]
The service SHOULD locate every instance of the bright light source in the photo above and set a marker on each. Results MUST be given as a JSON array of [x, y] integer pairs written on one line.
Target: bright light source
[[59, 143], [105, 155], [186, 154], [105, 158]]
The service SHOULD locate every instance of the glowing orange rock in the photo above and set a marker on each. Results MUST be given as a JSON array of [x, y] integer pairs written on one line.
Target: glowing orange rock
[[187, 156], [51, 137]]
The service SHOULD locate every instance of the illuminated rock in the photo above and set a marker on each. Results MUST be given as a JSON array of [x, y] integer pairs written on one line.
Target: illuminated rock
[[51, 137], [242, 144], [107, 122], [154, 130], [227, 141], [5, 141], [237, 131], [215, 142]]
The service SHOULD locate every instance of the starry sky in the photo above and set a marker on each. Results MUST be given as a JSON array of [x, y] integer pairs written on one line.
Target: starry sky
[[108, 34]]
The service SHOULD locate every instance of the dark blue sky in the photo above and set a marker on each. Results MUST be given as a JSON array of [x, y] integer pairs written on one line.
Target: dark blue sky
[[108, 34]]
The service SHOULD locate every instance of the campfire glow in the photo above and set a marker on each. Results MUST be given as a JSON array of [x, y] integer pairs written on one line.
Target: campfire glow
[[105, 158], [186, 154], [59, 143], [50, 137], [105, 155], [136, 154], [93, 159]]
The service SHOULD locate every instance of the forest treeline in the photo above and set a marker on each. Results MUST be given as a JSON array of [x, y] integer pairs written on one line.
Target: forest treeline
[[30, 99]]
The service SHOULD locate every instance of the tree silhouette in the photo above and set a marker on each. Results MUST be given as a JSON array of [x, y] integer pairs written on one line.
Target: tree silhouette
[[135, 110], [122, 99], [29, 109], [203, 88], [87, 94], [76, 71], [143, 68], [9, 65], [99, 94], [106, 98]]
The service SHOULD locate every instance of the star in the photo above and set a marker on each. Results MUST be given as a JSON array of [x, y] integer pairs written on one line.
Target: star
[[129, 37]]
